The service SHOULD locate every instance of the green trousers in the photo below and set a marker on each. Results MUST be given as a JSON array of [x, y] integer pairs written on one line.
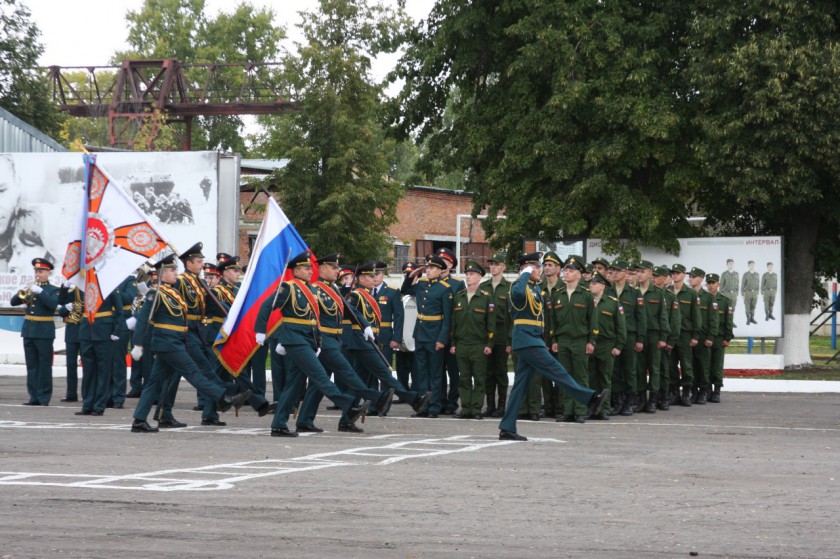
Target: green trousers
[[472, 368], [624, 372], [572, 355], [701, 361], [648, 365], [716, 360], [682, 371], [601, 365], [497, 381]]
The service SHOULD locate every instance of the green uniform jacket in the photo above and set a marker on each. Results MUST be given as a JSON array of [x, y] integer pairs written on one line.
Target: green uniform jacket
[[690, 314], [657, 313], [634, 312], [750, 283], [106, 321], [128, 292], [473, 321], [729, 282], [769, 283], [724, 318], [189, 286], [612, 328], [168, 319], [708, 309], [434, 309], [71, 325], [393, 314], [674, 317], [574, 315], [142, 331], [358, 304], [38, 321], [548, 294], [332, 316], [299, 325], [215, 316], [526, 307], [501, 299]]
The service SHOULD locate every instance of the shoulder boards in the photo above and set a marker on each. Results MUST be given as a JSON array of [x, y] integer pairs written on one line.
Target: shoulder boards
[[612, 298], [485, 292], [445, 283], [585, 288]]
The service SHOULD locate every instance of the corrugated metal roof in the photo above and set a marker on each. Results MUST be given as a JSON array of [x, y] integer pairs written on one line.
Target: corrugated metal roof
[[18, 137], [262, 165]]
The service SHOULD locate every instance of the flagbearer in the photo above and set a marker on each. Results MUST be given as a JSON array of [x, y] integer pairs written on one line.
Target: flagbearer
[[38, 332], [473, 325], [300, 342], [168, 319]]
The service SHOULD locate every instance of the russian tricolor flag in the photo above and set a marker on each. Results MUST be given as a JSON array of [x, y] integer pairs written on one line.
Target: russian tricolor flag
[[277, 242]]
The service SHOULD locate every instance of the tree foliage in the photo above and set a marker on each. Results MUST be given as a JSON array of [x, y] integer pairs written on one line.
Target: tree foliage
[[336, 188], [24, 91], [181, 29]]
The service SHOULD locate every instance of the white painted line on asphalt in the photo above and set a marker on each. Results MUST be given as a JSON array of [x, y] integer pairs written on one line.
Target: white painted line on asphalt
[[220, 476]]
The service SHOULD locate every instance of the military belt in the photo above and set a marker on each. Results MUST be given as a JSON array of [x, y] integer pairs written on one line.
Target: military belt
[[218, 319], [126, 307], [305, 322], [39, 318], [357, 327], [347, 322], [170, 327], [194, 317], [336, 331], [425, 317], [104, 313], [385, 325], [527, 322]]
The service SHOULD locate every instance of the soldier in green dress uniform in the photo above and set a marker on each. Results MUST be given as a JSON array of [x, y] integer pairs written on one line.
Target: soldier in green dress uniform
[[119, 370], [682, 369], [702, 352], [533, 357], [38, 332], [662, 280], [574, 329], [450, 373], [167, 318], [300, 341], [723, 337], [611, 339], [550, 285], [497, 362], [769, 286], [473, 326], [648, 363], [431, 332], [750, 286], [635, 315]]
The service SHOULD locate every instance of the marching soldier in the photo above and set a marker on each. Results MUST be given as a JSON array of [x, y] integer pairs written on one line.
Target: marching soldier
[[497, 362], [333, 312], [70, 306], [681, 354], [729, 284], [575, 327], [167, 313], [611, 339], [635, 315], [473, 324], [139, 374], [702, 352], [38, 333], [662, 279], [769, 285], [119, 371], [390, 329], [300, 341], [749, 291], [140, 323], [431, 333], [550, 285], [658, 329], [405, 359], [533, 356], [722, 339]]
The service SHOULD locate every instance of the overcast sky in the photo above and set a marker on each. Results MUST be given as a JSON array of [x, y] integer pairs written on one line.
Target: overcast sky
[[88, 33]]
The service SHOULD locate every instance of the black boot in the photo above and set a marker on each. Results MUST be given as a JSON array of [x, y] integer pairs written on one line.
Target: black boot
[[639, 402], [685, 399], [617, 403], [491, 404], [627, 405], [664, 402], [500, 409], [694, 394], [650, 406], [715, 395], [701, 396]]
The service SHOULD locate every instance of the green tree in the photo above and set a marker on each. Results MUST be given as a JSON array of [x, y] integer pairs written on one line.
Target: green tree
[[767, 83], [24, 91], [336, 188], [568, 117], [92, 131], [181, 29]]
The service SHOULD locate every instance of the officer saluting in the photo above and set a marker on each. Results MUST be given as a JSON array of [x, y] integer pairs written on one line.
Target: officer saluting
[[38, 333], [529, 346]]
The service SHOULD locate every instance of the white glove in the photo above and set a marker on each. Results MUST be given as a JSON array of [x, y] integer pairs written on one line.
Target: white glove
[[369, 334], [280, 349], [131, 323], [69, 307], [68, 285], [142, 288], [115, 338], [527, 270], [36, 289], [317, 352], [137, 352], [260, 337]]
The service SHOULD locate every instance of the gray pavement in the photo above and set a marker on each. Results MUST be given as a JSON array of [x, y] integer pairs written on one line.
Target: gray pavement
[[754, 476]]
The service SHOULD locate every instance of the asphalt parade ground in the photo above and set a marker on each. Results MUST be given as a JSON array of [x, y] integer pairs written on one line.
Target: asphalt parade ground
[[754, 476]]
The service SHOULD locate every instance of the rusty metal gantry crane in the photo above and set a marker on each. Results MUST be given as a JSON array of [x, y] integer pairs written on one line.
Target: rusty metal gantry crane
[[130, 93]]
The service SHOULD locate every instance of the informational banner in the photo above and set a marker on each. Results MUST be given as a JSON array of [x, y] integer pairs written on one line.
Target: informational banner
[[751, 276], [41, 194]]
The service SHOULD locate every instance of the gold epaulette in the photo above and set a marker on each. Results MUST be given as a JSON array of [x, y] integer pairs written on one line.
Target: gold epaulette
[[445, 284]]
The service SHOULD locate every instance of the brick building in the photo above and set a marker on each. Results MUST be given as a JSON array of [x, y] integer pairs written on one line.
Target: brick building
[[427, 220]]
